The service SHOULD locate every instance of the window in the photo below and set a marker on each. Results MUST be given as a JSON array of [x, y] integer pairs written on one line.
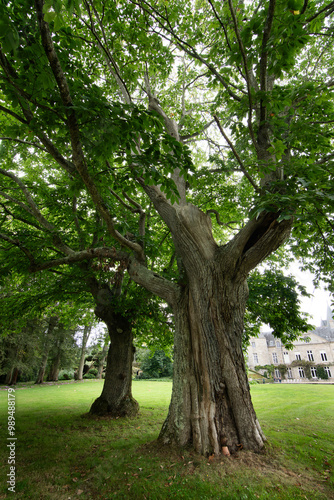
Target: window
[[323, 356], [289, 373], [313, 372], [253, 345], [256, 359], [278, 344], [277, 373], [286, 357], [301, 372], [310, 356], [298, 356], [275, 359], [327, 370]]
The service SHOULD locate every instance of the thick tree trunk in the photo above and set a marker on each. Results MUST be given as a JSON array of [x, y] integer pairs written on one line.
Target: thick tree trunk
[[211, 407], [116, 398]]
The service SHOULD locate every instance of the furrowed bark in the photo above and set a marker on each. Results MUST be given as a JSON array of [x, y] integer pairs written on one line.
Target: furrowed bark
[[116, 398], [211, 406]]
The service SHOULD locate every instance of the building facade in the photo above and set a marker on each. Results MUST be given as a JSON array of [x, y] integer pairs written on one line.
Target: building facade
[[314, 351]]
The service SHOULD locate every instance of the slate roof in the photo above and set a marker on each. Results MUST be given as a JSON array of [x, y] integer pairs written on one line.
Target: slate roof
[[325, 332]]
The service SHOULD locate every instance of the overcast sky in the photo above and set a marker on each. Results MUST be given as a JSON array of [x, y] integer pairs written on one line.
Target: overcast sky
[[317, 305]]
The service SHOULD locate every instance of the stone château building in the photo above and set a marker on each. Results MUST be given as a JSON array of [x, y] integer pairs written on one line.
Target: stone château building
[[314, 350]]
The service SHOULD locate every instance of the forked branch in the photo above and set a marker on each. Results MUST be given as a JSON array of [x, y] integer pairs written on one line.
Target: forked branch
[[242, 166]]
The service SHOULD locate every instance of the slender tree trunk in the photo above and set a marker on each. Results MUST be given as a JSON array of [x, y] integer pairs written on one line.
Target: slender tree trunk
[[11, 377], [102, 359], [42, 368], [85, 337], [116, 399], [211, 407], [52, 324], [54, 368]]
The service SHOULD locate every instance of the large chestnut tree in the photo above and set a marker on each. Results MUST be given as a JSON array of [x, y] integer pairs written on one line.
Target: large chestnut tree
[[100, 104]]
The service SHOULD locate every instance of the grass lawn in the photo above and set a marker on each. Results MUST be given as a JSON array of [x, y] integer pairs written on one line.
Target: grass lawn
[[62, 455]]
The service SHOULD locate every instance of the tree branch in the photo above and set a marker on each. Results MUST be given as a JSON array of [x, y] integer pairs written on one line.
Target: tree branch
[[156, 284], [33, 210], [14, 115], [19, 245], [15, 217], [326, 8], [27, 143], [111, 63], [128, 207], [304, 7], [247, 74], [243, 168], [91, 253], [186, 47], [264, 55], [184, 138], [212, 211], [78, 156], [221, 24], [77, 224]]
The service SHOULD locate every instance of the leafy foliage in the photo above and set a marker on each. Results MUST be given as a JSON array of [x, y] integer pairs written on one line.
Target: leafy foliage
[[274, 299], [156, 365]]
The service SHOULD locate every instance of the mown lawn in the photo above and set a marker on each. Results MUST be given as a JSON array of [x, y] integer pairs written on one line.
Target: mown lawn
[[62, 455]]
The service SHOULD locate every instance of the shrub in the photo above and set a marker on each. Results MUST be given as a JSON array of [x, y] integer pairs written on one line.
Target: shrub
[[268, 370], [283, 370], [65, 375], [306, 365], [321, 372]]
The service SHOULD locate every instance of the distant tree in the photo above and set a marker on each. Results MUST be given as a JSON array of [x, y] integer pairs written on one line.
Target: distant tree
[[85, 336], [62, 352], [156, 365], [274, 299], [19, 350], [102, 354], [46, 345]]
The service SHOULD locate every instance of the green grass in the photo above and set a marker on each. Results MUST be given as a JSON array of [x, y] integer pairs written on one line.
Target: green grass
[[62, 455]]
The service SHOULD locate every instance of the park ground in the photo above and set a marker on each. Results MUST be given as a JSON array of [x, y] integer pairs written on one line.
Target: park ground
[[62, 454]]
